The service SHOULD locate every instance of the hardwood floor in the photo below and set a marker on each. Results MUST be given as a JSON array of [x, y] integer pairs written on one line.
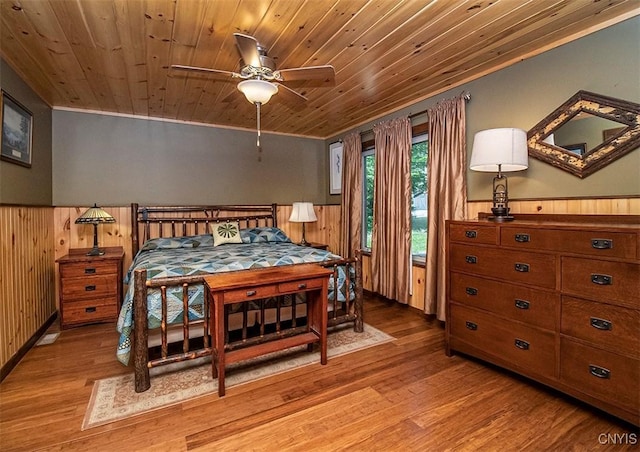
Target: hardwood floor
[[403, 395]]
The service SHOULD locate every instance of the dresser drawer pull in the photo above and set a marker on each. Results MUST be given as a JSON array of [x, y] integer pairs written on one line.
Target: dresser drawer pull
[[471, 291], [602, 244], [601, 324], [522, 268], [302, 286], [471, 259], [471, 234], [89, 288], [471, 326], [251, 293], [599, 372], [89, 271], [522, 238], [522, 304], [601, 280], [90, 309], [522, 345]]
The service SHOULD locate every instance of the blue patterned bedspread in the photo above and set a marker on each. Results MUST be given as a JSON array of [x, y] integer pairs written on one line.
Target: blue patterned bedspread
[[196, 255]]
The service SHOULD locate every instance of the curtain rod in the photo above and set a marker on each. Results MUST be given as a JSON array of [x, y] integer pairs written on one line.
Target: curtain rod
[[465, 94]]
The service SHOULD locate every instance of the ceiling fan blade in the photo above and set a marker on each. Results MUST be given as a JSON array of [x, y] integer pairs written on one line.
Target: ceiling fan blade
[[290, 97], [326, 74], [248, 48], [205, 69]]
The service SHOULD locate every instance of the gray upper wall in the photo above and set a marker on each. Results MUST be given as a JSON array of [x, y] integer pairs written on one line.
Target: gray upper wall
[[606, 62], [114, 160], [20, 185]]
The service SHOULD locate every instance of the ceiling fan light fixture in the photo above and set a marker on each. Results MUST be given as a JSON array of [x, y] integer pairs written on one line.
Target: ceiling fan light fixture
[[257, 91]]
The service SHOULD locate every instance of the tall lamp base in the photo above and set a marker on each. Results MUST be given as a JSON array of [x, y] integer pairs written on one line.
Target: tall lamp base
[[95, 251]]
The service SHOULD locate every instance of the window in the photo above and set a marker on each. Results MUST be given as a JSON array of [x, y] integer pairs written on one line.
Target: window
[[368, 167], [419, 197]]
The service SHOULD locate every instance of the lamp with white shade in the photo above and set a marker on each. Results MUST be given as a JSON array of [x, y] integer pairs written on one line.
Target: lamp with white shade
[[303, 213], [500, 150]]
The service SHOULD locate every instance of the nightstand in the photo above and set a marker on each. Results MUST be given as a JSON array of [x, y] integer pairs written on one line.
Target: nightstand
[[90, 286], [320, 246]]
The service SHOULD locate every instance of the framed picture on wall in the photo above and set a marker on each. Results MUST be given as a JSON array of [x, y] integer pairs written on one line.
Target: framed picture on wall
[[335, 168], [17, 124]]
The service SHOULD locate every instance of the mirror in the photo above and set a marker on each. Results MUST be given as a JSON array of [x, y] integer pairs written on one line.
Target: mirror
[[586, 133]]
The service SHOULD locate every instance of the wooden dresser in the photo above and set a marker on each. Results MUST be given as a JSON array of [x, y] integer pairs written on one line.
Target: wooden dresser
[[556, 301], [90, 286]]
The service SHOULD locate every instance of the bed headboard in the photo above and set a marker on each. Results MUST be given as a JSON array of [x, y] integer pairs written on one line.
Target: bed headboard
[[153, 222]]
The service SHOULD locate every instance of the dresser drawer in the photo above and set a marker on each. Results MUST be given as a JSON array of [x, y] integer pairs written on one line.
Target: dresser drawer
[[600, 373], [90, 311], [607, 326], [601, 244], [611, 282], [515, 266], [473, 233], [79, 269], [532, 306], [90, 287], [296, 286], [257, 293], [525, 347]]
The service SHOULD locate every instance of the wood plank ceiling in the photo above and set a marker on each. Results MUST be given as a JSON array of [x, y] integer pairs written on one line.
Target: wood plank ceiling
[[115, 55]]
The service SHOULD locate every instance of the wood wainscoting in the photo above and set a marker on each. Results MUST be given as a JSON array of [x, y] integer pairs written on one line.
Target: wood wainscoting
[[27, 300]]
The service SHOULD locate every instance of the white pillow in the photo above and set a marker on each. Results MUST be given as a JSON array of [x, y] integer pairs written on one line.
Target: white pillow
[[228, 232]]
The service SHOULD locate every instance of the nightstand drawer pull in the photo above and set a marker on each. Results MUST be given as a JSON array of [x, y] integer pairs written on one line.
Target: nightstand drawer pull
[[471, 234], [522, 345], [89, 288], [471, 259], [90, 309], [89, 271], [599, 372], [601, 324], [302, 286], [522, 304], [522, 268], [471, 291], [601, 280], [602, 244], [251, 293], [471, 326], [522, 238]]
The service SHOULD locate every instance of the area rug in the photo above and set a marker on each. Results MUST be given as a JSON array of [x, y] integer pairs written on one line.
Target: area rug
[[113, 399]]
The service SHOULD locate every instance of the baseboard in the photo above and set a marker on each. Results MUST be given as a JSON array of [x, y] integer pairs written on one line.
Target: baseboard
[[15, 359]]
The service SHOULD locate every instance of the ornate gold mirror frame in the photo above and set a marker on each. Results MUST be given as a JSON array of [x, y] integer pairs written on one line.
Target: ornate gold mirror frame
[[618, 132]]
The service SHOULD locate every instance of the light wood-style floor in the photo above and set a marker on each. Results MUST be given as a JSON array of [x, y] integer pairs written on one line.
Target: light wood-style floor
[[405, 395]]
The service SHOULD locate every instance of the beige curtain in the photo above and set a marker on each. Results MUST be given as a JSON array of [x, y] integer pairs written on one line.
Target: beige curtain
[[351, 204], [447, 192], [391, 240]]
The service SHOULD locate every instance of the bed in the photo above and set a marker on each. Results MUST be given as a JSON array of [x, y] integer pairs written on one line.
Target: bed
[[174, 249]]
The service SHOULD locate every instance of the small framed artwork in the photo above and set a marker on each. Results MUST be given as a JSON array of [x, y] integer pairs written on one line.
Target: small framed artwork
[[578, 148], [17, 124], [335, 168]]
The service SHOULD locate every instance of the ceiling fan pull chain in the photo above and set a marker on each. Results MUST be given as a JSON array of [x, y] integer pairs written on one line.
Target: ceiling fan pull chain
[[258, 142]]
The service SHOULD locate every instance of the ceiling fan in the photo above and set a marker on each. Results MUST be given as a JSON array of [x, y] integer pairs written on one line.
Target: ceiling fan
[[260, 78]]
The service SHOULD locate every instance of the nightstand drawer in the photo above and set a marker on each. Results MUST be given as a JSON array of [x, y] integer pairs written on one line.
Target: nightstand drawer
[[525, 347], [88, 311], [91, 287], [79, 269], [600, 373]]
